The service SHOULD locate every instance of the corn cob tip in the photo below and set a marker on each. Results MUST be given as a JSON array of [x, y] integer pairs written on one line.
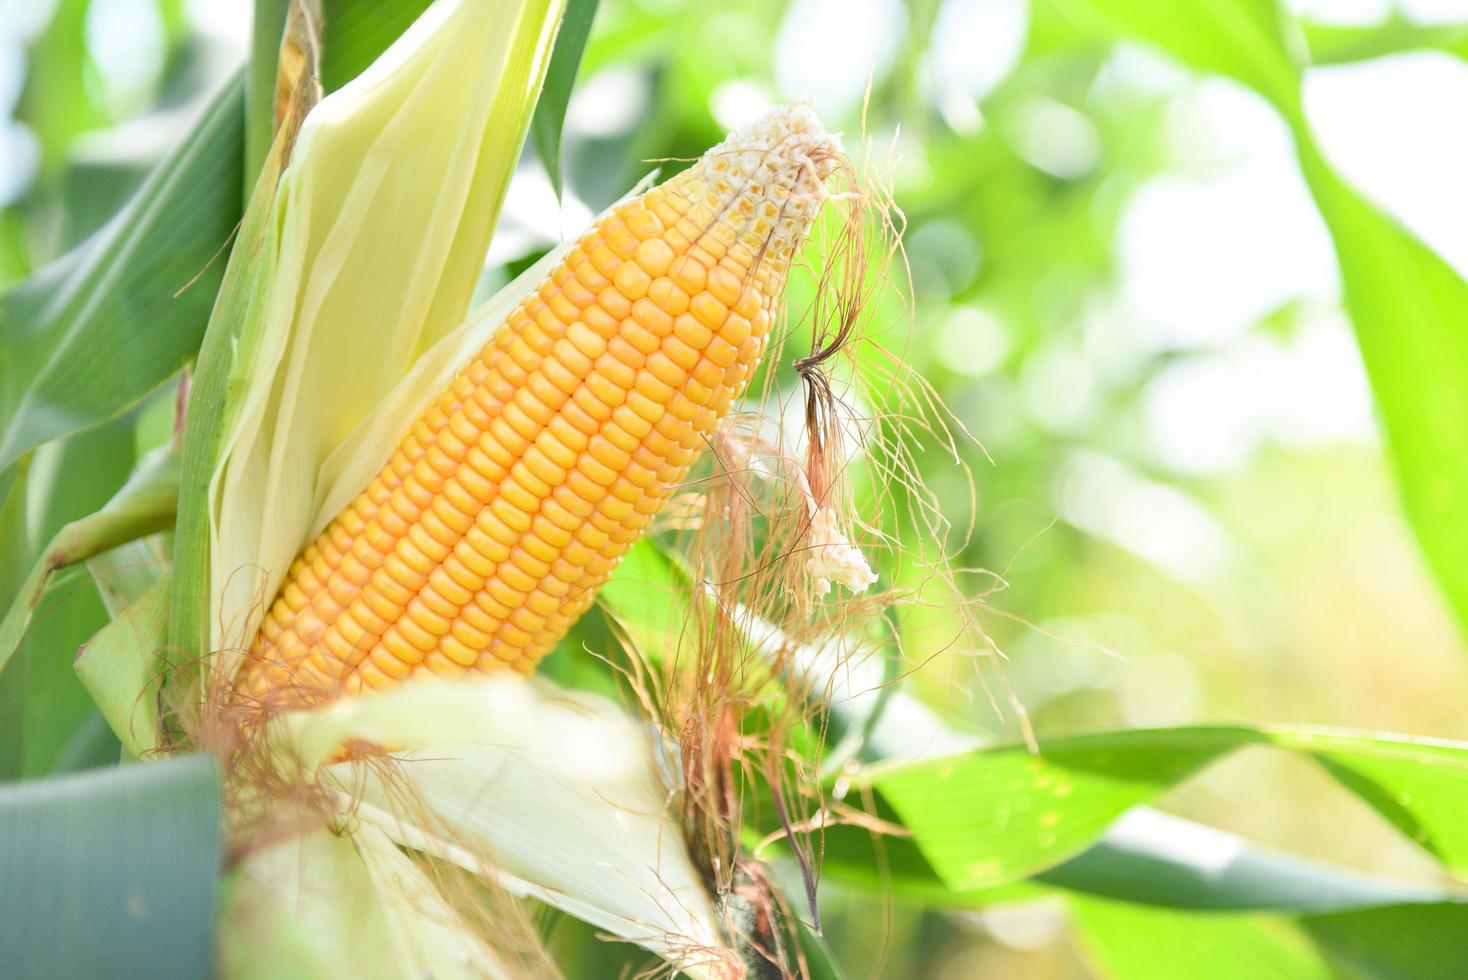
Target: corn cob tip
[[777, 166]]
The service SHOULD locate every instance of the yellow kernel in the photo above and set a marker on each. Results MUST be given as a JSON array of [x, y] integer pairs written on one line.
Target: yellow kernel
[[736, 329], [626, 418], [599, 320], [575, 362], [602, 391], [687, 329], [646, 408], [518, 497], [614, 301], [654, 257], [680, 353], [641, 338], [721, 352], [549, 459], [654, 389], [515, 578], [661, 367], [457, 651], [688, 273], [708, 374], [397, 648], [586, 341], [724, 285], [583, 486], [595, 470], [642, 222], [603, 259], [556, 373], [617, 372], [651, 316], [668, 296], [709, 310], [604, 451]]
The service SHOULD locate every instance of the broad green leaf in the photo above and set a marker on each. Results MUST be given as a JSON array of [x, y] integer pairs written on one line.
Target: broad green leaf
[[69, 479], [1407, 305], [266, 27], [1248, 40], [354, 33], [1137, 942], [1409, 308], [996, 815], [1335, 44], [14, 557], [1152, 858], [145, 504], [560, 78], [92, 333], [1394, 942], [377, 230], [1402, 942], [111, 873], [121, 668]]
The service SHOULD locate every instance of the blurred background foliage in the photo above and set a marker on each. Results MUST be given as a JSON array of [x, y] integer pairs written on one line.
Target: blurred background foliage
[[1123, 290]]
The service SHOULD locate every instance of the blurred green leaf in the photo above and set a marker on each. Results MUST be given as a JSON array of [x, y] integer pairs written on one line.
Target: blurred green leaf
[[354, 33], [92, 333], [1252, 41], [1334, 44], [648, 597], [1400, 942], [1152, 858], [57, 100], [996, 815], [1408, 306], [14, 559], [111, 873], [145, 504], [1403, 942], [69, 479], [1136, 942], [560, 78]]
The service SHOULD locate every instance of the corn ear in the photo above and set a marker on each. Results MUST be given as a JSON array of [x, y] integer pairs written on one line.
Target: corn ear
[[516, 492]]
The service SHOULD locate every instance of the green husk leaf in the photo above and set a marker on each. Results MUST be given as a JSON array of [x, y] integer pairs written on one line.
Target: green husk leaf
[[144, 505], [122, 668], [354, 245]]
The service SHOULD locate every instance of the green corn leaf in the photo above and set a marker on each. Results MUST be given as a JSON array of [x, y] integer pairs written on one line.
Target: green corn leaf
[[560, 78], [111, 874], [1135, 942], [68, 480], [1407, 305], [144, 505], [92, 333], [996, 815]]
